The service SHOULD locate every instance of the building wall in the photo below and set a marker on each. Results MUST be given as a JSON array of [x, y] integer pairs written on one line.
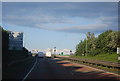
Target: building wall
[[15, 40]]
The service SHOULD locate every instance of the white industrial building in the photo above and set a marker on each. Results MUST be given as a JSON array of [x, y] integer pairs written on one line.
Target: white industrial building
[[15, 40]]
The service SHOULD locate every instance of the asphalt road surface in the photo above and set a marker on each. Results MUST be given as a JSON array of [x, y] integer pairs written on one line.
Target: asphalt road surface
[[48, 68]]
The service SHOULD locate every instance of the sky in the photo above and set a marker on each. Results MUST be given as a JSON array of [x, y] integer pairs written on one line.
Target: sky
[[58, 24]]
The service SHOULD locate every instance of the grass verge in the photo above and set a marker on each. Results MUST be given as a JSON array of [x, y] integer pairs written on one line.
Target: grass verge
[[113, 57]]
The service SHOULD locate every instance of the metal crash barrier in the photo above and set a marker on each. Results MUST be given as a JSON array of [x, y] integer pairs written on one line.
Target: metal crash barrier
[[95, 62]]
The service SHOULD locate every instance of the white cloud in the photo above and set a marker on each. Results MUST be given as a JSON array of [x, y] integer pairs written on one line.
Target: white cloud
[[103, 18], [83, 27], [35, 20], [65, 17]]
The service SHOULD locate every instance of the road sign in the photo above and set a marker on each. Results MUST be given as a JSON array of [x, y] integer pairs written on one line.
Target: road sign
[[118, 50], [118, 58]]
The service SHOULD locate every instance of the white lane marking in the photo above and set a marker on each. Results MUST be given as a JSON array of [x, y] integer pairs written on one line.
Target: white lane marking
[[30, 71]]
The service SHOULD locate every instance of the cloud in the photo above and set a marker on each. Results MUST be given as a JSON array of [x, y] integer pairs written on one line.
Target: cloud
[[69, 17], [83, 28], [84, 9], [105, 23]]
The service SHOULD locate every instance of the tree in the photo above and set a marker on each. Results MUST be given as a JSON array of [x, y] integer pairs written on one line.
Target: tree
[[105, 42], [112, 41], [118, 39], [88, 35]]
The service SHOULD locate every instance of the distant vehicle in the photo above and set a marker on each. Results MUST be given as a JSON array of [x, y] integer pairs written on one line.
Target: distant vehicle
[[48, 54], [41, 54]]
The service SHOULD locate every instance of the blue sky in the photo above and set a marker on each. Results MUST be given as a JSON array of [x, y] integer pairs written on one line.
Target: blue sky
[[60, 24]]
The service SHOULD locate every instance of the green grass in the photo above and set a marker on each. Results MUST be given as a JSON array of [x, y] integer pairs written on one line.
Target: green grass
[[102, 57], [66, 55]]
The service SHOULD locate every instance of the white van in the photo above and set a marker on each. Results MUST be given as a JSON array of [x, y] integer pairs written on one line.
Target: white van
[[48, 54]]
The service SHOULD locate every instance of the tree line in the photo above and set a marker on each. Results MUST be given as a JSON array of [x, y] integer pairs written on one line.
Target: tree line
[[106, 42]]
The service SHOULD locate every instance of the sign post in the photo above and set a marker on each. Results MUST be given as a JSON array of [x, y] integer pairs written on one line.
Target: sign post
[[118, 52]]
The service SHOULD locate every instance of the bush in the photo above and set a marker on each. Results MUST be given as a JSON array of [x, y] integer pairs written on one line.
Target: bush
[[105, 42]]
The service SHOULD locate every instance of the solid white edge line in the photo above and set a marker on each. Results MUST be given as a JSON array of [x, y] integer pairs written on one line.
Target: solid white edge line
[[30, 71]]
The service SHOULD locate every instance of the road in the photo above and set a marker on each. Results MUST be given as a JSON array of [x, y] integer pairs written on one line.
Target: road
[[47, 68]]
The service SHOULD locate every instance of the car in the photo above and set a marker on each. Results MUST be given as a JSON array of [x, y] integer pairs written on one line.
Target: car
[[41, 54]]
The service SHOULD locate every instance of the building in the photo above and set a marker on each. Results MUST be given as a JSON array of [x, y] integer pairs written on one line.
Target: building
[[35, 51], [15, 40]]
